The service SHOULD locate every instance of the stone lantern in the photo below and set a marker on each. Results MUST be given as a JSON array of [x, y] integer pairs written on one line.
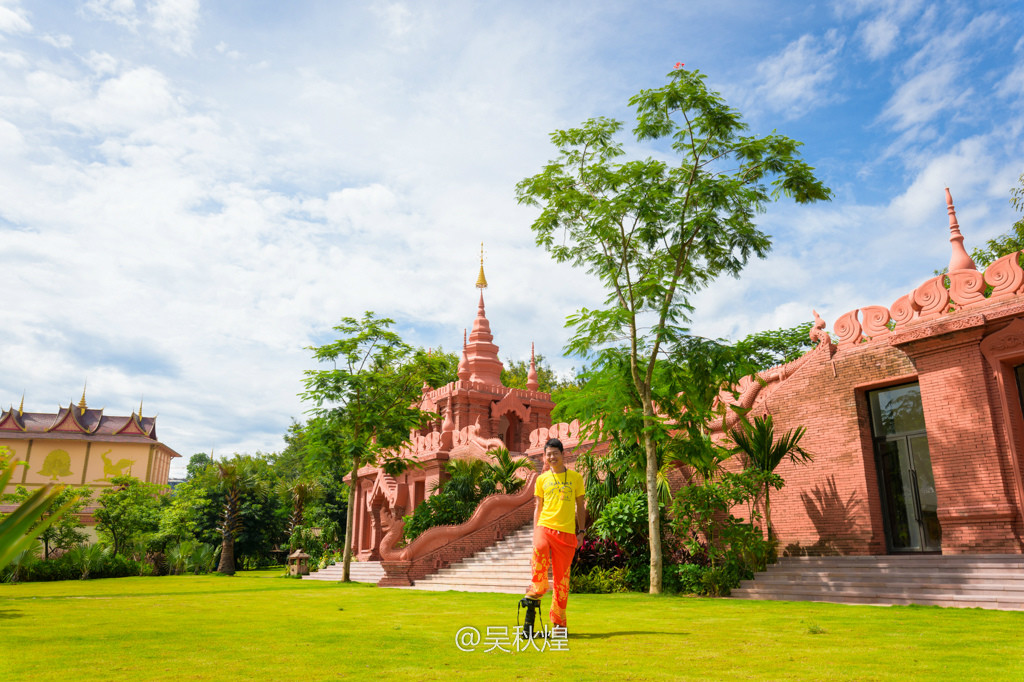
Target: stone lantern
[[298, 563]]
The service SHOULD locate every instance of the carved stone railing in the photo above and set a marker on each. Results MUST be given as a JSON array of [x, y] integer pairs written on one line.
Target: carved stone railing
[[440, 546], [569, 434], [967, 289]]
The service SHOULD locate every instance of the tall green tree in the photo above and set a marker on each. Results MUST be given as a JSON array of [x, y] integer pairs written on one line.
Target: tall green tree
[[363, 406], [129, 510], [655, 233]]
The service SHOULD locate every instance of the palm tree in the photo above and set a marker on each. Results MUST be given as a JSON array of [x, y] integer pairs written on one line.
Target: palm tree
[[763, 453], [467, 478], [503, 470], [235, 480], [301, 494]]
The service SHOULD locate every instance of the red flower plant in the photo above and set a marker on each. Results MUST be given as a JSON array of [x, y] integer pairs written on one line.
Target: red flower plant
[[680, 65]]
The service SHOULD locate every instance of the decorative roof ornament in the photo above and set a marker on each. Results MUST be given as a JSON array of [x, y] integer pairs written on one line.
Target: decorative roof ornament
[[481, 281], [81, 403], [140, 406], [960, 260], [463, 370], [21, 408], [532, 384]]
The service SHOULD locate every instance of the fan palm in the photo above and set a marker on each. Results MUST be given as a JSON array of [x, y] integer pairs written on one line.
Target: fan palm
[[503, 470], [763, 453], [235, 479]]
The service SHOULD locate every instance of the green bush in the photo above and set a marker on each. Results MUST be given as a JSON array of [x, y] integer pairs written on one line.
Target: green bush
[[600, 581], [718, 581], [684, 578], [624, 519]]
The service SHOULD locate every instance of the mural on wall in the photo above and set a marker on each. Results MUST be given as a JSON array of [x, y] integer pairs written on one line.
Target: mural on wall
[[56, 465], [110, 469]]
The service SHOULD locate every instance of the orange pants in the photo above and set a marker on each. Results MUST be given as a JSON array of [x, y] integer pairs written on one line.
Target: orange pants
[[553, 548]]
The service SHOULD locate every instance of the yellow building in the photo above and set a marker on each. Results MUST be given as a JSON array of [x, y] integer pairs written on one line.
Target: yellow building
[[83, 447]]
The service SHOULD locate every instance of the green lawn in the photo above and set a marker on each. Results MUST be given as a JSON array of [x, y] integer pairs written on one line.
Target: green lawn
[[259, 626]]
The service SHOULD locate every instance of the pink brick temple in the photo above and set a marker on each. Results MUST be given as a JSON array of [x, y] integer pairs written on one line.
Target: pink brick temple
[[914, 416]]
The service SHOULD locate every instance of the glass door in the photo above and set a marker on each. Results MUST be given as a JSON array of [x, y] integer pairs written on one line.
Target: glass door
[[908, 495], [910, 505]]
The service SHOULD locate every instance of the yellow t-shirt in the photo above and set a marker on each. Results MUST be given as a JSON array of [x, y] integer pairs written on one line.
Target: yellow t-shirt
[[559, 492]]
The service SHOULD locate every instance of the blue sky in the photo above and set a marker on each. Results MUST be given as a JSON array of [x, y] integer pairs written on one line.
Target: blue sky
[[191, 193]]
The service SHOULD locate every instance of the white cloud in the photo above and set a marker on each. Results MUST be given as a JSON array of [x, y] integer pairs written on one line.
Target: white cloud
[[121, 12], [879, 37], [173, 22], [62, 41], [101, 63], [128, 102], [176, 22], [796, 80], [13, 18], [926, 96]]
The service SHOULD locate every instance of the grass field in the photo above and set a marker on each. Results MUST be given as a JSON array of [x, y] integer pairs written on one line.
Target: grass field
[[259, 626]]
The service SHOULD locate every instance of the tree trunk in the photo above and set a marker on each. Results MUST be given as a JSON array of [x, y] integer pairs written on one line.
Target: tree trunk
[[227, 547], [653, 517], [350, 519], [227, 555]]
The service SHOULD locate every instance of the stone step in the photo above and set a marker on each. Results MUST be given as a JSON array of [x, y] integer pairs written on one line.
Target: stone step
[[865, 575], [995, 582], [359, 572], [502, 568]]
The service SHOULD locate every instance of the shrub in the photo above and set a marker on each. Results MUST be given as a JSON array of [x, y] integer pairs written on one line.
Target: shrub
[[624, 519], [597, 552], [684, 578], [600, 581]]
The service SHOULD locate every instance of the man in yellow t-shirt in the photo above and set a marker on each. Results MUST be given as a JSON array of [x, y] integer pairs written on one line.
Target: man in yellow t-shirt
[[557, 532]]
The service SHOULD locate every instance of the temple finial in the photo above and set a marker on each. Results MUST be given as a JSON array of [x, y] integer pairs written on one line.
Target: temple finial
[[81, 403], [140, 406], [960, 260], [532, 384], [481, 281], [21, 408]]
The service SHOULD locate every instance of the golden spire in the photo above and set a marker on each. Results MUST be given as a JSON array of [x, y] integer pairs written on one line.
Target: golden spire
[[81, 403], [140, 407], [21, 408], [481, 281]]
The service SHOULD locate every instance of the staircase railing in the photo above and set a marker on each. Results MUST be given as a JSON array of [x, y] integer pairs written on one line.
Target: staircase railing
[[438, 547]]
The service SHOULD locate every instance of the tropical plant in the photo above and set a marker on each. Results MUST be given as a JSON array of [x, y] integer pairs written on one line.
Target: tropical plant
[[235, 478], [22, 526], [763, 453], [88, 558], [15, 571], [301, 493], [504, 469]]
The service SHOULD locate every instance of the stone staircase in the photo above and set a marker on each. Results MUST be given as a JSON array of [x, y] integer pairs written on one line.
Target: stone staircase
[[502, 567], [994, 581], [358, 572]]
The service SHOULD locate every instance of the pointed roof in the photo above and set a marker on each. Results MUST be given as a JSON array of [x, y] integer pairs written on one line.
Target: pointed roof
[[960, 260], [532, 383], [12, 420], [481, 352]]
